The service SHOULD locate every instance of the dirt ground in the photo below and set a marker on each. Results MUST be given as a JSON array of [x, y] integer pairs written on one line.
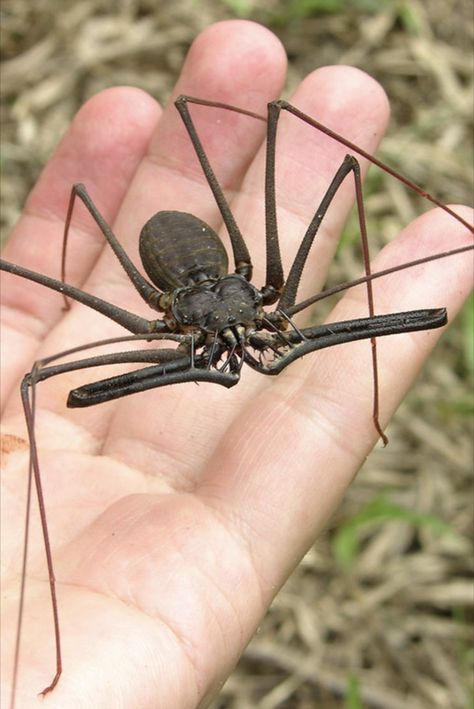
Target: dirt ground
[[390, 627]]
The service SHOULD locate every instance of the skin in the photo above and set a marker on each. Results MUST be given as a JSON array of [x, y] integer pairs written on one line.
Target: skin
[[176, 515]]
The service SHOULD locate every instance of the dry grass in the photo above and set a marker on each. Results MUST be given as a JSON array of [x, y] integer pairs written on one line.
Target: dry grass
[[391, 628]]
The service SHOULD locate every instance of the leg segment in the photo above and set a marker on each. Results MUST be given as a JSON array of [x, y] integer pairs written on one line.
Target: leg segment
[[40, 372], [145, 289], [243, 264], [132, 323], [322, 336]]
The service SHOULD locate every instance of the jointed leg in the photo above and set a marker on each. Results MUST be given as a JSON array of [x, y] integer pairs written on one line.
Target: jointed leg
[[338, 333], [146, 291]]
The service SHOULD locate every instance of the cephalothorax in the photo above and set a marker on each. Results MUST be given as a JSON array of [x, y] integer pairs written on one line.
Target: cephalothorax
[[185, 258]]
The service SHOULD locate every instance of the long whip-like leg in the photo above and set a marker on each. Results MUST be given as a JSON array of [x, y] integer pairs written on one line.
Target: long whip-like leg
[[40, 372], [340, 287], [274, 271], [28, 408], [284, 105], [21, 602]]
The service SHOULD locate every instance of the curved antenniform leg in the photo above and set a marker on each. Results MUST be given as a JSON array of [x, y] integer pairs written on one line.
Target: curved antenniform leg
[[164, 357], [322, 336], [177, 372], [170, 367]]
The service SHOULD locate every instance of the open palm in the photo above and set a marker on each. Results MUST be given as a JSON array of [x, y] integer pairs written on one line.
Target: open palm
[[176, 514]]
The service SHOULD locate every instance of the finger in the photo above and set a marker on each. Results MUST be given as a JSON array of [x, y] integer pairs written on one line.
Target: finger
[[298, 445], [103, 146], [226, 58], [229, 62], [354, 105], [306, 163]]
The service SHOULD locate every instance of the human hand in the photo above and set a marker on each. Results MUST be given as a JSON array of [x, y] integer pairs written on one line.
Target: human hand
[[175, 515]]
